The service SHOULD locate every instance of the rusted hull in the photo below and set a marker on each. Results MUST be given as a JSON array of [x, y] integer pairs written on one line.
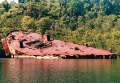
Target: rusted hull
[[33, 44], [5, 48]]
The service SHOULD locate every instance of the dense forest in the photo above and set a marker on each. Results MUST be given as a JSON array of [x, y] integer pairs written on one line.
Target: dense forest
[[92, 22]]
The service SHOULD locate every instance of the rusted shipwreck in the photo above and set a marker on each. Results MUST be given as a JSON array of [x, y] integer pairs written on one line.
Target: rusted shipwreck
[[19, 43]]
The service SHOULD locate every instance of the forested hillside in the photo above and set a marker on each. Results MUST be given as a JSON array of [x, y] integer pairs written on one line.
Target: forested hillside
[[92, 22]]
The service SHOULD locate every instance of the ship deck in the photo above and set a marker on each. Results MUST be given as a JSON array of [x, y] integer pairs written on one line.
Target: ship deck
[[33, 45]]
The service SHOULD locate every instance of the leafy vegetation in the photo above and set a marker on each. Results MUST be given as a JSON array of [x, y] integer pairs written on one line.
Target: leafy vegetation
[[92, 22]]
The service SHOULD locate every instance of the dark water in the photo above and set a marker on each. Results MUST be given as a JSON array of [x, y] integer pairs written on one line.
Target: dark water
[[59, 71]]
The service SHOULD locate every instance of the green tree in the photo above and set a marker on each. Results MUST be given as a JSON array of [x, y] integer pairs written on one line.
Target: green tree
[[6, 5]]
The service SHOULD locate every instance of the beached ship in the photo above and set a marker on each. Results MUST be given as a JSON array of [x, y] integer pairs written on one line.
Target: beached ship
[[24, 44]]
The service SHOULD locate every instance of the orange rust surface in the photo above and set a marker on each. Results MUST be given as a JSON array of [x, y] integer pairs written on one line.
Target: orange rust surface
[[5, 45], [57, 46]]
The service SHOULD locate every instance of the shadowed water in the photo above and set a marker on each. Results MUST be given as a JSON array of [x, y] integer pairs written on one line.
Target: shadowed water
[[59, 71]]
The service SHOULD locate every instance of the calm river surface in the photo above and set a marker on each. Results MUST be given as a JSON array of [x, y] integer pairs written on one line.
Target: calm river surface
[[59, 71]]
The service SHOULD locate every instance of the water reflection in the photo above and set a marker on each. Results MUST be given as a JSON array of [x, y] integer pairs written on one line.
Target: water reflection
[[59, 71]]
